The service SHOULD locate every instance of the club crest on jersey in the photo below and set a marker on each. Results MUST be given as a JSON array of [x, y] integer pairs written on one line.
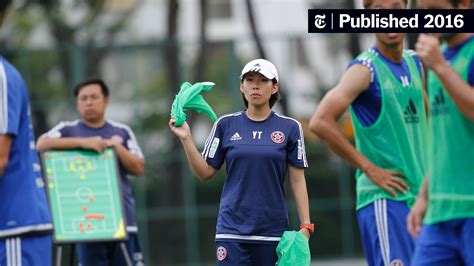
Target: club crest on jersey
[[278, 137], [396, 262], [221, 253]]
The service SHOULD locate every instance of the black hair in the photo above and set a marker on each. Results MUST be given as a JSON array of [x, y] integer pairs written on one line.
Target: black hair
[[90, 81], [273, 99], [367, 3]]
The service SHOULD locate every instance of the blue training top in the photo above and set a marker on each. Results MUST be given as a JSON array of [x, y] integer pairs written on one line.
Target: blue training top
[[23, 203], [368, 104], [110, 130], [257, 155]]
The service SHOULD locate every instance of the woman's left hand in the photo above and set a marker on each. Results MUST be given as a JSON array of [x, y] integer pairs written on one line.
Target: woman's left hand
[[305, 232]]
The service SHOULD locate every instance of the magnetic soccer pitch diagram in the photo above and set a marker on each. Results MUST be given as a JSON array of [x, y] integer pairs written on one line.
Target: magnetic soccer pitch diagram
[[84, 195]]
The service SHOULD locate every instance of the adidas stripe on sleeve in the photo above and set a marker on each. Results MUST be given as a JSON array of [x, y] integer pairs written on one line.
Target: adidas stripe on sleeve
[[11, 104], [213, 152]]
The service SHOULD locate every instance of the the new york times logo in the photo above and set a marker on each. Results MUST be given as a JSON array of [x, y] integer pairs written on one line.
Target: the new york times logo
[[390, 20], [320, 21]]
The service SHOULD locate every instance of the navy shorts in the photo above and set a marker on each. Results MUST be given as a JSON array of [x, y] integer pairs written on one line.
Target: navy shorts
[[25, 251], [385, 238], [255, 254], [115, 253], [446, 243]]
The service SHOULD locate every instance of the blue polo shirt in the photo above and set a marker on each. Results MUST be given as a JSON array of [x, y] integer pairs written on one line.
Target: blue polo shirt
[[257, 154], [23, 203], [110, 130]]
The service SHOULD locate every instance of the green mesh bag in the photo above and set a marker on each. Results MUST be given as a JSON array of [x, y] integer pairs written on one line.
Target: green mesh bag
[[293, 250], [189, 97]]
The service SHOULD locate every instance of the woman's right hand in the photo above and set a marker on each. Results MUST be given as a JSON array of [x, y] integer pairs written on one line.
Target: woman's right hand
[[183, 132]]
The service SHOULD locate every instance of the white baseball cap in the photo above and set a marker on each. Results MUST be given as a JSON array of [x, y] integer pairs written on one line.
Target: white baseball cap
[[261, 66]]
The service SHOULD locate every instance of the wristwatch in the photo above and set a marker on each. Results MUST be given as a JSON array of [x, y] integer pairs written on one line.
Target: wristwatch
[[310, 227]]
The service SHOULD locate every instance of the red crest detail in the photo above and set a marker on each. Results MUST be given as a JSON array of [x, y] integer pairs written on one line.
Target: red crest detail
[[278, 137], [221, 253], [396, 262]]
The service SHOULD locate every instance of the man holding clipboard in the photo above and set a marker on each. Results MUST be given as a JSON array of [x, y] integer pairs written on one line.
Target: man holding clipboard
[[94, 132]]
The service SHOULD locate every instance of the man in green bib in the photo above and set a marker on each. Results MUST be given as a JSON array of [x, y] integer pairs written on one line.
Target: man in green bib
[[446, 199], [384, 91]]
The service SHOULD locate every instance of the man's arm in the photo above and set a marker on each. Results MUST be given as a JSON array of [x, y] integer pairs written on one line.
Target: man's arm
[[417, 212], [132, 164], [5, 143], [300, 193], [90, 143], [324, 124], [460, 91]]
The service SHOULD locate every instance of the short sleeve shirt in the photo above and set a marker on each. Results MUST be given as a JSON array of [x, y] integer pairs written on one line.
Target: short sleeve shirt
[[257, 155]]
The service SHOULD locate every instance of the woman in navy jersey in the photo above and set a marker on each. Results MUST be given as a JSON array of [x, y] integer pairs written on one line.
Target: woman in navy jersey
[[259, 147]]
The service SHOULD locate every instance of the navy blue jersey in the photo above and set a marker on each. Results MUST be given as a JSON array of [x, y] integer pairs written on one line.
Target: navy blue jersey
[[110, 130], [23, 203], [368, 104], [257, 155]]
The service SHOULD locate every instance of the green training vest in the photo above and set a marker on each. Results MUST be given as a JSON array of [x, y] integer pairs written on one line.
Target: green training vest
[[397, 139], [451, 168]]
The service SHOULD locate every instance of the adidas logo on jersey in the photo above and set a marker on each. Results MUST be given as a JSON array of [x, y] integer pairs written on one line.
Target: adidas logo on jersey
[[235, 137], [410, 113], [438, 105]]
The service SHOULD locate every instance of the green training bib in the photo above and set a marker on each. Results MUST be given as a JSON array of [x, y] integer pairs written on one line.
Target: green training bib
[[397, 139], [451, 168]]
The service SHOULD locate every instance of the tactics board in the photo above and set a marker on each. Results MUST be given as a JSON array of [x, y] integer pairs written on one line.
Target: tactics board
[[84, 195]]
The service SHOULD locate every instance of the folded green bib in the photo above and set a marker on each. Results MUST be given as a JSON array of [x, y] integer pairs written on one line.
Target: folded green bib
[[189, 97], [293, 250]]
